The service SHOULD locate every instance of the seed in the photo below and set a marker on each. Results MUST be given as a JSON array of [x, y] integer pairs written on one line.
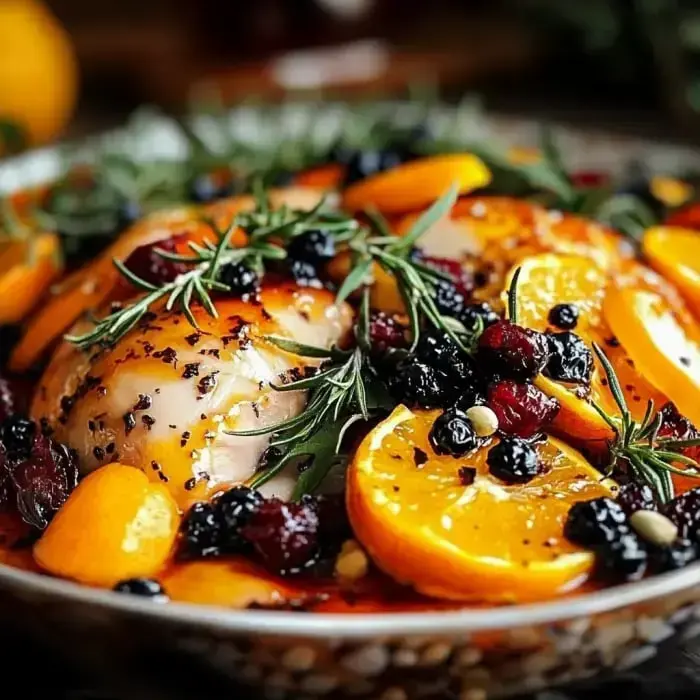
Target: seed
[[654, 527], [483, 420]]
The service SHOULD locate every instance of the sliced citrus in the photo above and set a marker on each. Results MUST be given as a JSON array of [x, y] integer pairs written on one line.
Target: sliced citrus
[[427, 527], [417, 183], [662, 340], [675, 253]]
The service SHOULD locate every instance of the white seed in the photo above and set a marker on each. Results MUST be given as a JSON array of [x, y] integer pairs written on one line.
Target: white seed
[[654, 527], [483, 420], [352, 562]]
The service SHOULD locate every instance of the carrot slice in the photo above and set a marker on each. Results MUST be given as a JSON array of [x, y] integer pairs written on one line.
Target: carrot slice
[[417, 183], [485, 540]]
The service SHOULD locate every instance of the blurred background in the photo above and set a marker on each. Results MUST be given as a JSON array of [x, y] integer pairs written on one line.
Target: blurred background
[[73, 67]]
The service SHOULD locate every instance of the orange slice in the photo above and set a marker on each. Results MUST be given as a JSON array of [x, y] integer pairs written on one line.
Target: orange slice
[[675, 253], [662, 340], [487, 541], [417, 183]]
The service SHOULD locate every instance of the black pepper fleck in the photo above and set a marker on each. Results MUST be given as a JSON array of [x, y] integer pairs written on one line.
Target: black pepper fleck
[[419, 456], [143, 403], [191, 370], [129, 422]]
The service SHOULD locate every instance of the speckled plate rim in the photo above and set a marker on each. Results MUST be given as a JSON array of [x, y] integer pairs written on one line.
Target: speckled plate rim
[[159, 138]]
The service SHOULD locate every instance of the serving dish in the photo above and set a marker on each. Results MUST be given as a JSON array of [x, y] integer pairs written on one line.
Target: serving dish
[[468, 654]]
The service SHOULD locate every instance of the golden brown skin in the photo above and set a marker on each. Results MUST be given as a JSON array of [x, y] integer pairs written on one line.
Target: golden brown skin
[[162, 397]]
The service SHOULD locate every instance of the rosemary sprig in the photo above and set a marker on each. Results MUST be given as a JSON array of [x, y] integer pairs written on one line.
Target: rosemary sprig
[[652, 459]]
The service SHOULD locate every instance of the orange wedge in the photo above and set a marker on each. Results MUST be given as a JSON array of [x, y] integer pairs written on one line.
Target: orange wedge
[[325, 177], [417, 183], [675, 253], [428, 528], [27, 268]]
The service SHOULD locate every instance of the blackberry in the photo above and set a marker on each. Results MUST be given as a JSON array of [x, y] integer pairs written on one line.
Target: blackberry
[[634, 496], [144, 587], [453, 434], [418, 384], [473, 313], [304, 273], [570, 360], [233, 510], [522, 409], [684, 512], [509, 350], [312, 246], [564, 316], [442, 353], [596, 522], [513, 460], [17, 435], [673, 557], [449, 299], [622, 560], [240, 279], [201, 531]]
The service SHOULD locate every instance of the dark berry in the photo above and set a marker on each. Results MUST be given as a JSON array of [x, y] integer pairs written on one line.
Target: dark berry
[[208, 187], [564, 316], [440, 352], [623, 559], [233, 509], [684, 511], [673, 557], [385, 332], [417, 384], [363, 164], [17, 436], [509, 350], [284, 535], [596, 522], [147, 264], [675, 425], [240, 279], [449, 300], [8, 403], [472, 314], [304, 273], [145, 587], [513, 460], [634, 496], [522, 409], [570, 359], [201, 531], [313, 246], [453, 434], [333, 523]]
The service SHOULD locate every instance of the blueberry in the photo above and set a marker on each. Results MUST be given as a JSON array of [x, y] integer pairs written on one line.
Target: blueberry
[[201, 531], [304, 273], [233, 510], [513, 460], [473, 313], [452, 434], [239, 278], [144, 587], [564, 316], [596, 522], [570, 360], [312, 246]]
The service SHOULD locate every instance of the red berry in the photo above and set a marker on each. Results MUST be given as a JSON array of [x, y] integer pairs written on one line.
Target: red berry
[[284, 535], [462, 279], [509, 350], [151, 267], [676, 426], [386, 332], [522, 409]]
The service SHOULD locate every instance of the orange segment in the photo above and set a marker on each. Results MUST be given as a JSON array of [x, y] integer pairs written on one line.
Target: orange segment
[[488, 541], [663, 343], [325, 177], [675, 253], [417, 183], [115, 525], [25, 274]]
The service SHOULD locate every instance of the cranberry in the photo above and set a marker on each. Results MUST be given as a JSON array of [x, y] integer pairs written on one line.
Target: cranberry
[[684, 511], [676, 426], [509, 350], [634, 496], [522, 409], [284, 535], [385, 332], [145, 262]]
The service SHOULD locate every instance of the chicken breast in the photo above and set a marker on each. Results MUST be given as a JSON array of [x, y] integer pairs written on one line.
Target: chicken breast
[[163, 396]]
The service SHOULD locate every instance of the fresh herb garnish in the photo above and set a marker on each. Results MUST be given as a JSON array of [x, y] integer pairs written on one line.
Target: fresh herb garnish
[[652, 459]]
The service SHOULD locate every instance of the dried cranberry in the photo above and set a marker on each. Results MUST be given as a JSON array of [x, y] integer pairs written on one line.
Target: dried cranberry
[[634, 496], [385, 332], [145, 262], [522, 409], [284, 535], [509, 350], [684, 511], [570, 359], [676, 426]]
